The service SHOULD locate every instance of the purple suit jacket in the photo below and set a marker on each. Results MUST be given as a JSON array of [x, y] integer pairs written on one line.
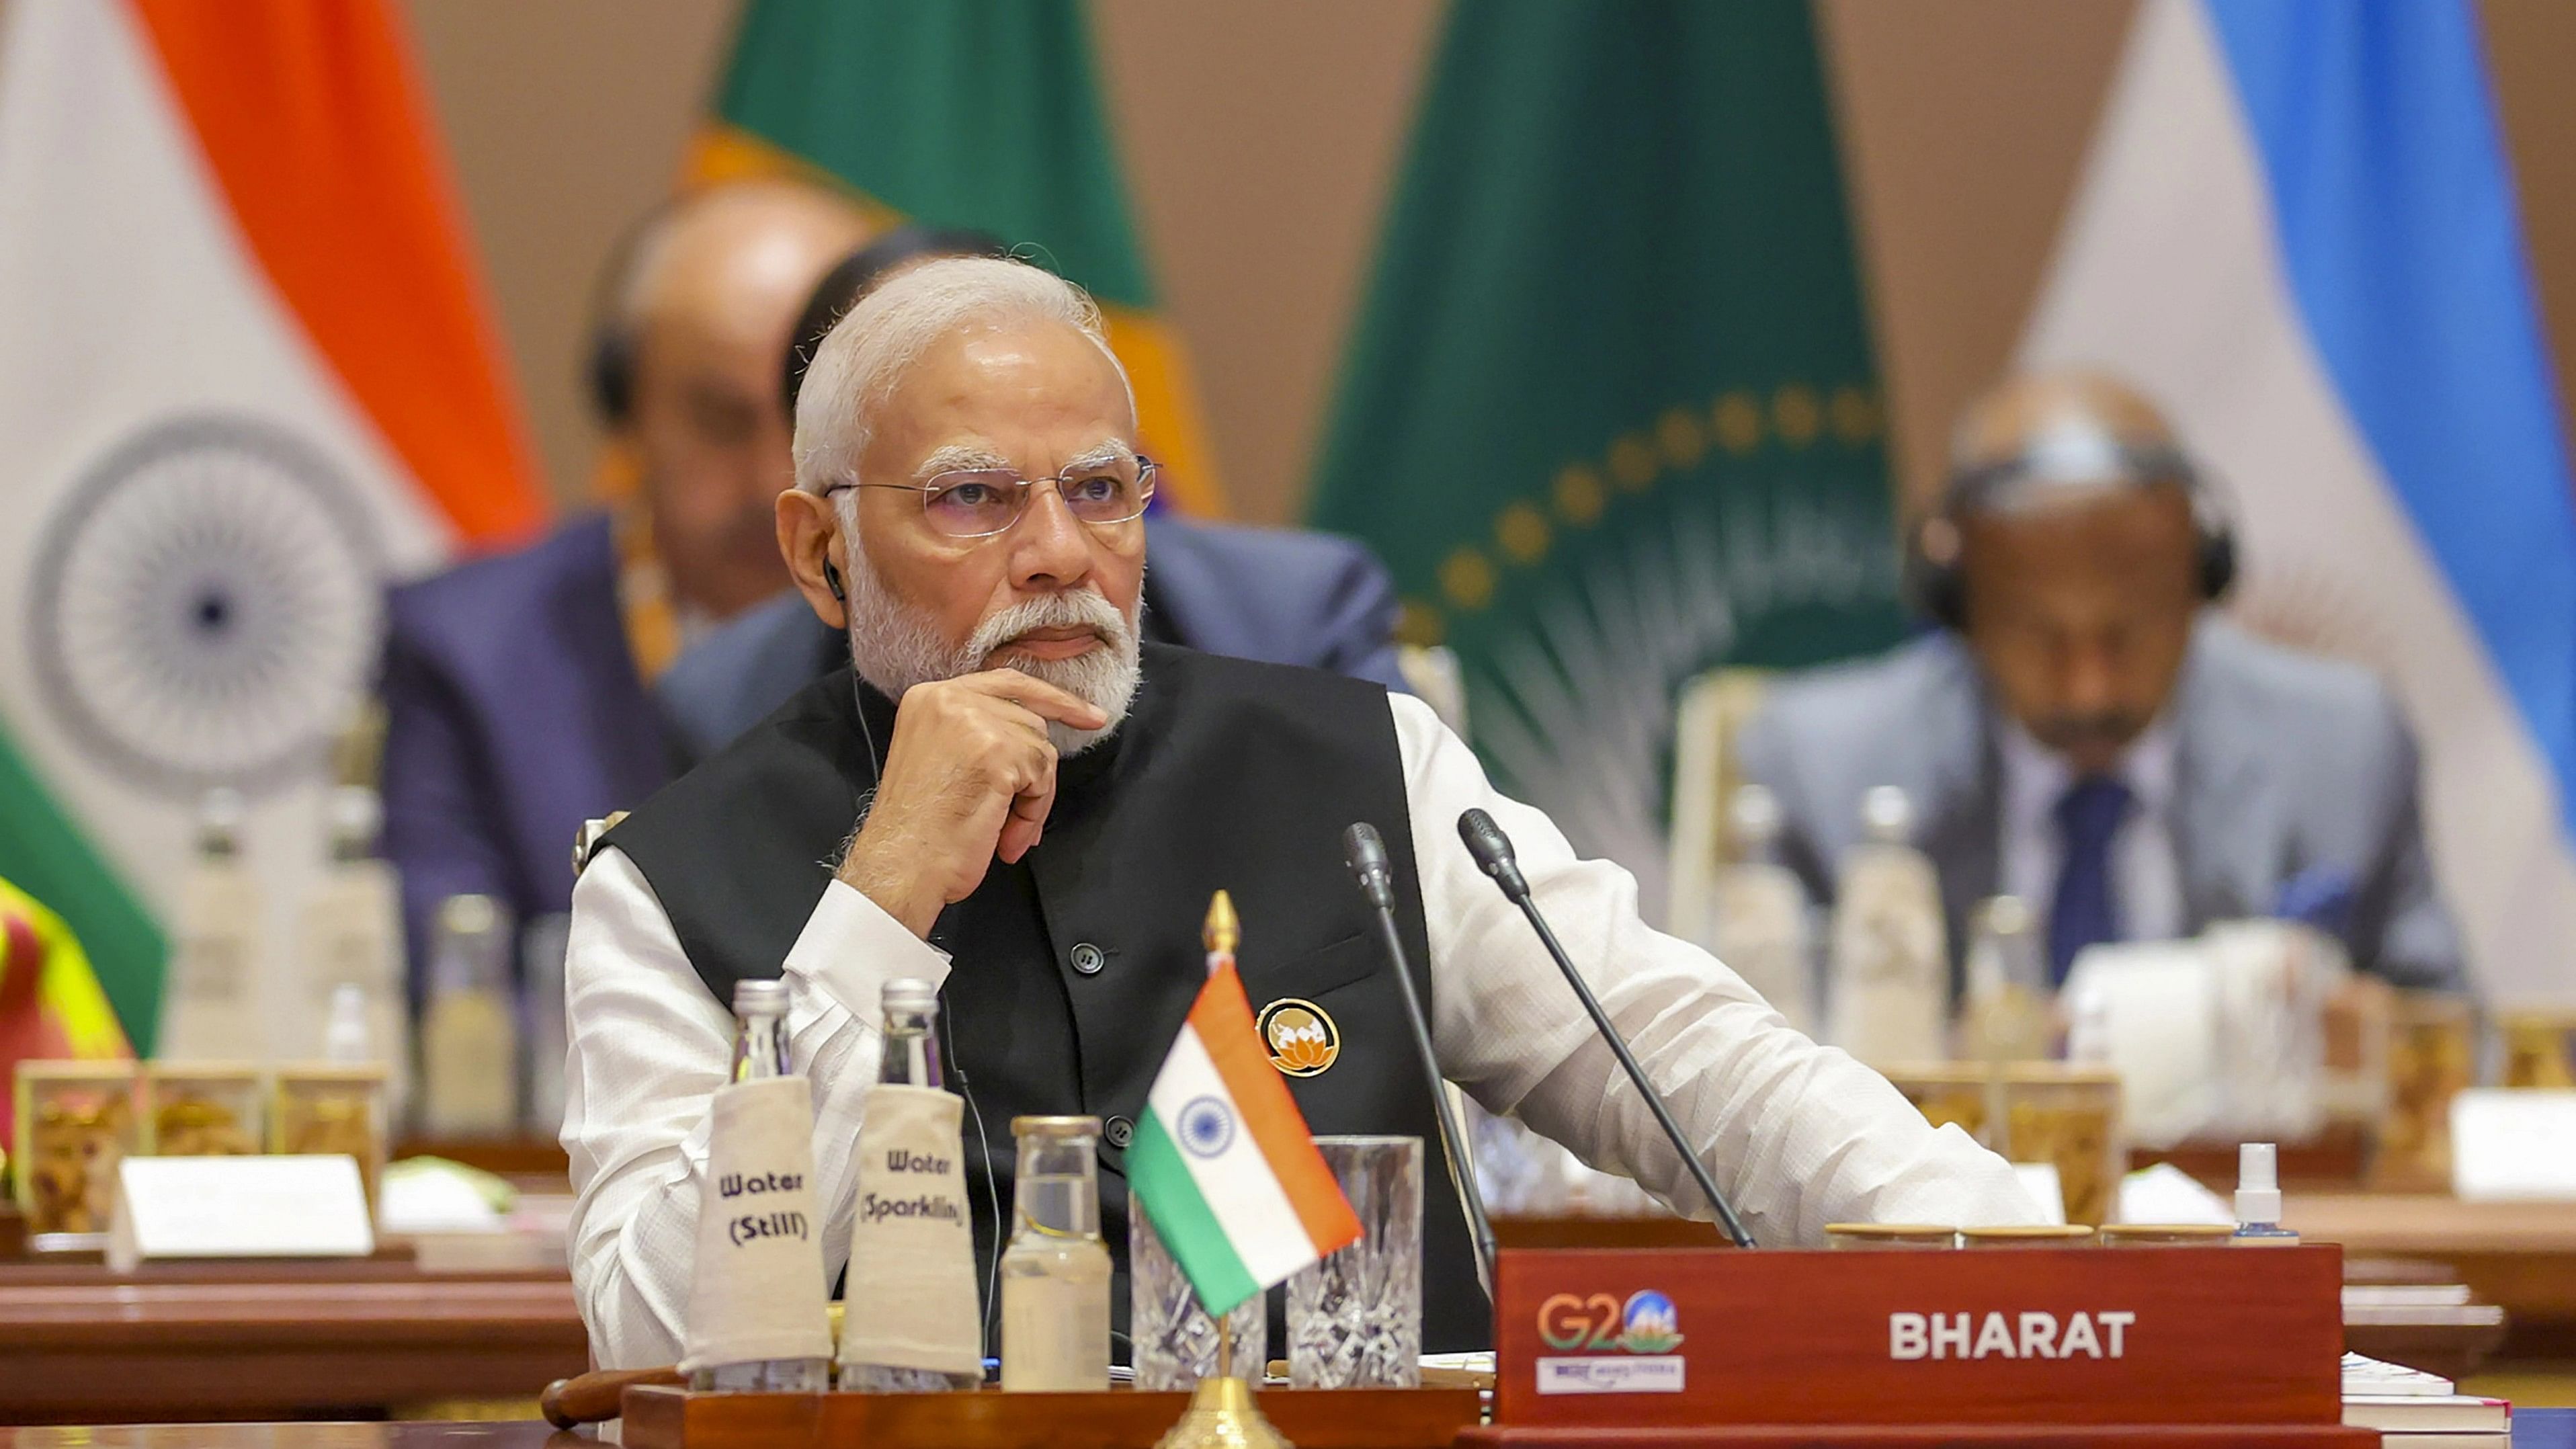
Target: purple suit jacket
[[513, 713]]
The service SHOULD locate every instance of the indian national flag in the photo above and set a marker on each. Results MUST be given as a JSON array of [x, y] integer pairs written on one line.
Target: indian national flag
[[246, 377], [1223, 1162]]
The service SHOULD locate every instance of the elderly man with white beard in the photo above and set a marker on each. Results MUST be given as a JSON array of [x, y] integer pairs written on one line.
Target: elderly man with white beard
[[1006, 795]]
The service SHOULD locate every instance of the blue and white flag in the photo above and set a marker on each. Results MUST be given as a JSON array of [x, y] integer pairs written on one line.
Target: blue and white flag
[[2298, 232]]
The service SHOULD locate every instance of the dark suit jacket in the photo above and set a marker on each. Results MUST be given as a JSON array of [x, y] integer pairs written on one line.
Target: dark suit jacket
[[2285, 763], [1282, 596], [515, 712]]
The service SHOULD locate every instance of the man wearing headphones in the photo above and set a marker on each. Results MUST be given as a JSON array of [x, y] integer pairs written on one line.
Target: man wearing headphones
[[2086, 734], [516, 687]]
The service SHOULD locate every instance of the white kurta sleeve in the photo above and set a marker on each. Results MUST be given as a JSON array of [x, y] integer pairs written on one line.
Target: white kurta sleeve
[[649, 1045], [1798, 1134]]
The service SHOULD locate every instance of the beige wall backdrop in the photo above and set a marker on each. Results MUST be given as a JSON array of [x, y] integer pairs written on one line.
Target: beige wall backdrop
[[1261, 138], [1259, 142]]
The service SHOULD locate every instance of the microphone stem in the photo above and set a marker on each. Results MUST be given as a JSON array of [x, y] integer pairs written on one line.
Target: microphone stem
[[1726, 1218], [1452, 1141]]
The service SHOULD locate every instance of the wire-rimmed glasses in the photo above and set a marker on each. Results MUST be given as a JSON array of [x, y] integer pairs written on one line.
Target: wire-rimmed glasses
[[982, 502]]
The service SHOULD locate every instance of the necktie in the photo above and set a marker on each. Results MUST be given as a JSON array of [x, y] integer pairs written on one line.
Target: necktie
[[2083, 912]]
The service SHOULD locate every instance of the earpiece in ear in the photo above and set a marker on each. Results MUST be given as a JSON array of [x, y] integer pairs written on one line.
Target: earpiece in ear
[[832, 581]]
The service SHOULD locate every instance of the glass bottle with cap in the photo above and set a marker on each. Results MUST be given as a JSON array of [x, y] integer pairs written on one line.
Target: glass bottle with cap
[[910, 1058], [352, 943], [911, 1054], [2008, 1015], [212, 1012], [1761, 928], [759, 1053], [1890, 982], [469, 1036], [759, 1030], [1055, 1274]]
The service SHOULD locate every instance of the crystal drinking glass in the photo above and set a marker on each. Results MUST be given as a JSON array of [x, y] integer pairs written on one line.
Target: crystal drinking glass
[[1172, 1338], [1355, 1319]]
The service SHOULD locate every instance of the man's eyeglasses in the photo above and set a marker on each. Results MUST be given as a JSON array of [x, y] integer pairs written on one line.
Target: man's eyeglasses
[[981, 502]]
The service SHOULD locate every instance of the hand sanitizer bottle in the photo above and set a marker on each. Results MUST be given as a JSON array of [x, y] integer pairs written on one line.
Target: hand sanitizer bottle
[[2258, 1198]]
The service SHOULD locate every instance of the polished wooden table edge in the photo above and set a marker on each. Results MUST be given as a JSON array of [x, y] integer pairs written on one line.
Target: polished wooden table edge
[[56, 1317], [671, 1418], [2432, 1224], [1930, 1436], [310, 1434]]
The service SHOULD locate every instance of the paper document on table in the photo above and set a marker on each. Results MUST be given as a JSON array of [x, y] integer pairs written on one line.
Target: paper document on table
[[2164, 1193], [2513, 1144]]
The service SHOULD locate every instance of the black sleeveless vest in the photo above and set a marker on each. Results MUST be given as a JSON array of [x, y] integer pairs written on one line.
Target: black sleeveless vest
[[1073, 969]]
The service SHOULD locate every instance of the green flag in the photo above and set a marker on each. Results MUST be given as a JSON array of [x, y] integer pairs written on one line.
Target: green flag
[[1610, 415], [965, 113]]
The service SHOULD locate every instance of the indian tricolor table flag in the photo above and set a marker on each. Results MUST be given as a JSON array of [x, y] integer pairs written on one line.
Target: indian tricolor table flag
[[246, 377], [1221, 1157]]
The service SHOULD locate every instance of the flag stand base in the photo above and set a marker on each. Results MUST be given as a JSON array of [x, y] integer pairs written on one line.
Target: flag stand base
[[1222, 1415]]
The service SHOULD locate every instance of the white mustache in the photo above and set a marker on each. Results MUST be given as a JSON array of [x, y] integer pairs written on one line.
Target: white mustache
[[1079, 608]]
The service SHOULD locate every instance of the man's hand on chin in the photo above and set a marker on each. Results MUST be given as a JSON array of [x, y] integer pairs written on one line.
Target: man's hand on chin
[[970, 776]]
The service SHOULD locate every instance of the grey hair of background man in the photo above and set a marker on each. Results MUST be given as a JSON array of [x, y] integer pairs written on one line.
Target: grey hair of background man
[[861, 361]]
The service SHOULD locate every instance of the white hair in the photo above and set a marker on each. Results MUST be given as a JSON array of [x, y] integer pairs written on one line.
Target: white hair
[[865, 354]]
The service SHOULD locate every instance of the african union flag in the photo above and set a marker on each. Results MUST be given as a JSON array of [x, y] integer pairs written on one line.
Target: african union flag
[[1610, 415], [965, 115]]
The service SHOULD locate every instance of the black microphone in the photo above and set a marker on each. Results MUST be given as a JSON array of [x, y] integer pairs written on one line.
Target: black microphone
[[1367, 856], [1493, 852]]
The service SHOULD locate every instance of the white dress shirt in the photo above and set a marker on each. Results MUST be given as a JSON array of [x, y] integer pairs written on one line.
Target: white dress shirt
[[2146, 875], [1800, 1134]]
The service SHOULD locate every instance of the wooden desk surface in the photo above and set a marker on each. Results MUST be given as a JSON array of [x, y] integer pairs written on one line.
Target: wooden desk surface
[[243, 1341], [2432, 1224], [2521, 1255]]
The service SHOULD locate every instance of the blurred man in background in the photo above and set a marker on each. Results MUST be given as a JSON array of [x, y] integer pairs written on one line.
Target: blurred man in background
[[517, 687], [1283, 596], [2086, 734]]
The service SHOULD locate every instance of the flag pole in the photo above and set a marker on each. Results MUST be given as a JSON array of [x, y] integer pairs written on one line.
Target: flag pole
[[1222, 1414]]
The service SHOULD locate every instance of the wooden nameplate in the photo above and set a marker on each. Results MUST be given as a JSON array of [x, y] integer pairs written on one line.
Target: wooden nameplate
[[2056, 1346], [664, 1418]]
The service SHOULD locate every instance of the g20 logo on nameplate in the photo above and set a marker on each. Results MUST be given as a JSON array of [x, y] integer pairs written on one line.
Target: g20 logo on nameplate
[[1608, 1345], [1646, 1322]]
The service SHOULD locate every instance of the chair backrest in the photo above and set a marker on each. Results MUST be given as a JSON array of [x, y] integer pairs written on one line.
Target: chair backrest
[[1712, 711], [585, 842], [1432, 671]]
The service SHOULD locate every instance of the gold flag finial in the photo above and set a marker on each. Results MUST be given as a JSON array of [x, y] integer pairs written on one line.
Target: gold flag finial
[[1223, 930]]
